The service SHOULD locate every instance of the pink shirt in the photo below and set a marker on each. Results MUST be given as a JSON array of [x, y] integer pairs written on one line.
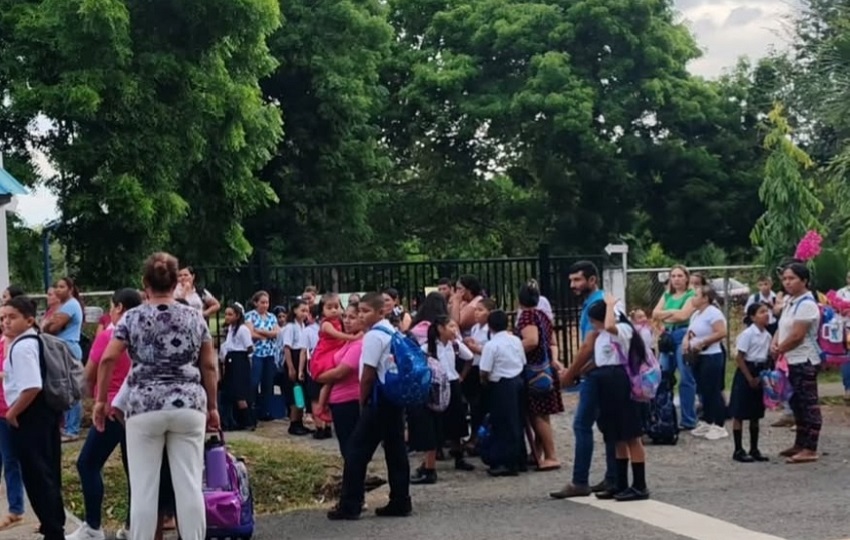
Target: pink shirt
[[348, 389], [3, 406], [122, 366]]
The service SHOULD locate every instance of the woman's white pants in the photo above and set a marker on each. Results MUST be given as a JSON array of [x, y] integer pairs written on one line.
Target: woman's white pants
[[181, 432]]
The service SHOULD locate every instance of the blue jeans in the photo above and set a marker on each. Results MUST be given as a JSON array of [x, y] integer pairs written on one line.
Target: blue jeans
[[263, 371], [585, 416], [845, 375], [12, 468], [709, 376], [687, 382], [93, 456], [73, 418]]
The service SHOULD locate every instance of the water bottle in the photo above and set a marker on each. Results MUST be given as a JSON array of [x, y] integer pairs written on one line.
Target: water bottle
[[215, 462], [298, 391]]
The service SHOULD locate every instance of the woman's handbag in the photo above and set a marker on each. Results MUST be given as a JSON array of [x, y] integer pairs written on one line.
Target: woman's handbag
[[666, 343], [540, 377]]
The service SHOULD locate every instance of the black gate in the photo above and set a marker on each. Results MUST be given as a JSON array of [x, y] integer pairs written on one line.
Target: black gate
[[500, 278]]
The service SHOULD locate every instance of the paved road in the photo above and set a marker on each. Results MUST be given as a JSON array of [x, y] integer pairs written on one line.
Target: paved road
[[698, 493]]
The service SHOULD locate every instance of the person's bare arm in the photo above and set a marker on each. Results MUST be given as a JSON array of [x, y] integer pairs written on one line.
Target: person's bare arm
[[530, 337], [680, 315], [795, 337], [336, 374], [209, 374], [113, 351], [718, 332], [582, 359], [56, 323], [211, 306], [91, 377], [328, 328]]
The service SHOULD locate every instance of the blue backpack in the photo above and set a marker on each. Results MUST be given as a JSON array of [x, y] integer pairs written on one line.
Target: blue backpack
[[407, 382]]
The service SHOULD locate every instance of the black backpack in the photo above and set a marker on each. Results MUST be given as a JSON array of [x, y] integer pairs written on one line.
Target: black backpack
[[661, 420]]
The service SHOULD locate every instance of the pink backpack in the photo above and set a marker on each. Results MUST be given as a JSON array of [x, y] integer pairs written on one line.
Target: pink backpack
[[645, 378]]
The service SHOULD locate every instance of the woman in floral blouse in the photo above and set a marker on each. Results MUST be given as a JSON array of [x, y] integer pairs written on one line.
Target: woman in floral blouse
[[264, 329]]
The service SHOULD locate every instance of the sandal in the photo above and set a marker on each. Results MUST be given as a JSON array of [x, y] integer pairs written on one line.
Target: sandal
[[552, 466], [798, 459], [10, 520]]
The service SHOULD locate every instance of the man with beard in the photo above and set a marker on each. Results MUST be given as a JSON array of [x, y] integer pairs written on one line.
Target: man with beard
[[584, 282]]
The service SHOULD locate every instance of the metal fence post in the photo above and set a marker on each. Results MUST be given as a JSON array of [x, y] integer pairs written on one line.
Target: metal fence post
[[544, 269], [727, 300]]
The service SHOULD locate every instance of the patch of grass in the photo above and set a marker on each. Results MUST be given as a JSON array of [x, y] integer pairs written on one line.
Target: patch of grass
[[283, 477]]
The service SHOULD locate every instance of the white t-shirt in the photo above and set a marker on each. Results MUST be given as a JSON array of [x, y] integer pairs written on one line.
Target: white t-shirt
[[294, 336], [755, 344], [503, 356], [702, 323], [481, 334], [22, 367], [311, 337], [376, 349], [238, 341], [446, 356], [803, 308], [759, 297], [605, 348]]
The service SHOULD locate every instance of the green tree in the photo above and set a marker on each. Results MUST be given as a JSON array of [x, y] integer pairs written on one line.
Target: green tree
[[710, 163], [157, 122], [791, 206], [555, 95], [327, 87]]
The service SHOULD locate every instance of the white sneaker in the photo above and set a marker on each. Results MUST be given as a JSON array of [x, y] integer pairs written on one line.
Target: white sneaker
[[701, 429], [122, 534], [716, 433], [86, 533]]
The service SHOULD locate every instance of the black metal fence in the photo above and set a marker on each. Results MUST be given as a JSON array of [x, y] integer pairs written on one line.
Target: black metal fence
[[501, 279]]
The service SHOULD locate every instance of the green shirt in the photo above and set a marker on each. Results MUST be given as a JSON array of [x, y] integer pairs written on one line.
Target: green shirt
[[672, 303]]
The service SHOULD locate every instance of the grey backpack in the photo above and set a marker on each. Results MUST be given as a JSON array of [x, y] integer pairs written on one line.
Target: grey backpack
[[61, 373]]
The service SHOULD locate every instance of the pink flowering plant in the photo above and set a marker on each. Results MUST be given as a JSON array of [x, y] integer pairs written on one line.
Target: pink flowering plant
[[809, 247]]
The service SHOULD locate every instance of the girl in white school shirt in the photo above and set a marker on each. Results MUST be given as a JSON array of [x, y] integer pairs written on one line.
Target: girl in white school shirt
[[294, 344], [429, 429], [747, 401], [620, 417]]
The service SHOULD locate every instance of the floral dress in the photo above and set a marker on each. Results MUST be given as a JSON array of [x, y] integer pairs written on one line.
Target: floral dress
[[545, 404]]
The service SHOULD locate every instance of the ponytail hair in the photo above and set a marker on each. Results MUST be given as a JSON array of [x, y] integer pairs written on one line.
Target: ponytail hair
[[434, 334]]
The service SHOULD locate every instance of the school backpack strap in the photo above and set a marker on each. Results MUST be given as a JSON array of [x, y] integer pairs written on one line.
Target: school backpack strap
[[42, 366]]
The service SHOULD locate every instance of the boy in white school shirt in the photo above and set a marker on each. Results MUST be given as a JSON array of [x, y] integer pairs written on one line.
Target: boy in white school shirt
[[379, 422], [502, 362]]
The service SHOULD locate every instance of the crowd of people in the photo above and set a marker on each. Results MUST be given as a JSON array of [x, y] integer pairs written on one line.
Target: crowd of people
[[159, 384]]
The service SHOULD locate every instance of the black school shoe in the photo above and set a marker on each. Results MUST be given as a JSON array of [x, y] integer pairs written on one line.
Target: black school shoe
[[401, 508], [502, 471], [742, 457], [632, 494], [757, 456], [609, 494], [337, 514], [424, 477], [298, 429], [601, 487]]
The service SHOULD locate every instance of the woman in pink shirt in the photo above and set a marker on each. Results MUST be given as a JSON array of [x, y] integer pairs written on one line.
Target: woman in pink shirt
[[345, 378], [99, 445]]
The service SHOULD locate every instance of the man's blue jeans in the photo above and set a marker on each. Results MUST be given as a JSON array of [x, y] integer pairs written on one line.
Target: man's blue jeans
[[12, 470], [687, 382], [845, 375], [585, 416], [73, 419]]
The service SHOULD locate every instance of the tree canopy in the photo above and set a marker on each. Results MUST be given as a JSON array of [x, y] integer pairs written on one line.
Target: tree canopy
[[223, 130]]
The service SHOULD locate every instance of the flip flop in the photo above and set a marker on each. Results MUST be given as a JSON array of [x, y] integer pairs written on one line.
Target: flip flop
[[549, 468], [795, 460], [9, 521]]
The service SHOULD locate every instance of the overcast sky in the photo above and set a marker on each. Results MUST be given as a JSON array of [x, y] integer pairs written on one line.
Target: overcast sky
[[724, 29]]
